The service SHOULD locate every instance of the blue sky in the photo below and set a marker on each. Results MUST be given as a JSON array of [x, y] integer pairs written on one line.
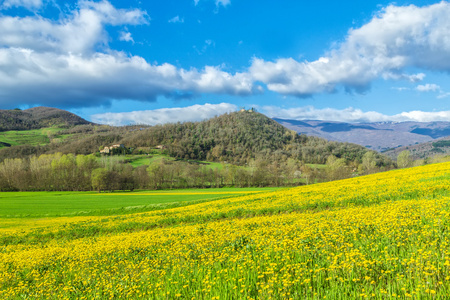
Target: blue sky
[[124, 62]]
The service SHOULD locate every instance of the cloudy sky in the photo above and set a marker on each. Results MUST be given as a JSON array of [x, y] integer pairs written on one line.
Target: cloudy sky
[[125, 62]]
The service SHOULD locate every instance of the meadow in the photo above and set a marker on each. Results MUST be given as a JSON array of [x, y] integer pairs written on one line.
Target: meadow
[[30, 137], [381, 236], [157, 156], [23, 209]]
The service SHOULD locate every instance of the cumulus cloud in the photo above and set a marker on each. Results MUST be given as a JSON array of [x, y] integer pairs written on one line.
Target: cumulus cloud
[[70, 59], [395, 39], [80, 32], [351, 114], [176, 19], [126, 37], [90, 81], [165, 115], [68, 63], [429, 87], [28, 4]]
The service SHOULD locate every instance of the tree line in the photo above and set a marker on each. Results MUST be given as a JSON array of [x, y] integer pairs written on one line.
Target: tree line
[[69, 172]]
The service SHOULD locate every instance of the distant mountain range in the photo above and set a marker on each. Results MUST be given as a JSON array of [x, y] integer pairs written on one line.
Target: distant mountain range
[[379, 136], [423, 150]]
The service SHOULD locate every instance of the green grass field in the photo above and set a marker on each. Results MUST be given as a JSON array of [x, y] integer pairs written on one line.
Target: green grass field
[[381, 236], [29, 137], [52, 204]]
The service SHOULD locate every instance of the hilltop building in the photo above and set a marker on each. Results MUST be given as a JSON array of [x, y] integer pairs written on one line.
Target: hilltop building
[[108, 150]]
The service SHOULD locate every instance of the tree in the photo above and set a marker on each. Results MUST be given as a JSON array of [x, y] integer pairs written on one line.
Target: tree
[[369, 162], [404, 159], [14, 175], [41, 171], [337, 169], [99, 179], [85, 165], [65, 172]]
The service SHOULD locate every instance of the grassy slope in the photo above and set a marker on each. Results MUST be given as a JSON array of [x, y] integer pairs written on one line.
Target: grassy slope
[[29, 137], [141, 160], [381, 236]]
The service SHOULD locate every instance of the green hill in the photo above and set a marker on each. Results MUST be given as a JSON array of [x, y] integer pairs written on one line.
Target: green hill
[[246, 148], [239, 137], [37, 118], [236, 138]]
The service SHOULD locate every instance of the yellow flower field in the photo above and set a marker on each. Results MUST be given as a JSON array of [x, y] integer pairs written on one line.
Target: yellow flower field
[[382, 236]]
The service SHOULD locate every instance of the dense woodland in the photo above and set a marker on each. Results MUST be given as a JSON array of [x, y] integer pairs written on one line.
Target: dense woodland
[[254, 150], [240, 137]]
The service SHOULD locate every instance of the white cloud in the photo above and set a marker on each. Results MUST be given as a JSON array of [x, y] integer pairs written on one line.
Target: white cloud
[[416, 77], [46, 62], [396, 38], [400, 89], [70, 59], [223, 2], [80, 32], [111, 15], [206, 111], [165, 115], [89, 81], [443, 95], [176, 19], [429, 87], [28, 4], [408, 77], [126, 37], [351, 114]]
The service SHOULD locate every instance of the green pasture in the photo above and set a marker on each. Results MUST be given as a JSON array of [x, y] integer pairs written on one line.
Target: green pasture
[[53, 204], [146, 160], [29, 137], [141, 160], [317, 166]]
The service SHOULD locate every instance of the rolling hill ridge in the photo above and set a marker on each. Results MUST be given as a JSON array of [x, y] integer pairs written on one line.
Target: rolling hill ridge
[[37, 118], [235, 138]]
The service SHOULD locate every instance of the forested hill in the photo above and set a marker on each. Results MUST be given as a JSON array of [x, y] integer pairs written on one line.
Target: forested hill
[[240, 137], [236, 138], [36, 118]]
